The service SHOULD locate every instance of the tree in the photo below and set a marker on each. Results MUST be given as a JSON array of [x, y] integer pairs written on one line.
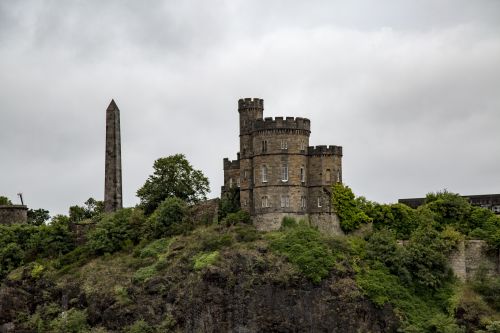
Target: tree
[[344, 203], [38, 216], [91, 208], [173, 177], [4, 201]]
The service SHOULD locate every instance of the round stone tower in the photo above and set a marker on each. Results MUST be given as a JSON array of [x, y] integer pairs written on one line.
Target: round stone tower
[[280, 169]]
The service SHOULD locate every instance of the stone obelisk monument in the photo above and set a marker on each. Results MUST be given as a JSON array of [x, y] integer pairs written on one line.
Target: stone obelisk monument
[[113, 168]]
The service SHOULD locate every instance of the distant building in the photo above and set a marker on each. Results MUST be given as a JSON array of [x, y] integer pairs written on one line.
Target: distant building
[[13, 214], [490, 201], [278, 173]]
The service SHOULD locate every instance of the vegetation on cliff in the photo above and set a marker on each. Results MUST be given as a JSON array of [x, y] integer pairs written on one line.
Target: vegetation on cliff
[[172, 270]]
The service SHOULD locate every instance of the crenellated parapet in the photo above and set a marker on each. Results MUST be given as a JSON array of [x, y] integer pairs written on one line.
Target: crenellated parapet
[[250, 104], [279, 123], [231, 165], [324, 150]]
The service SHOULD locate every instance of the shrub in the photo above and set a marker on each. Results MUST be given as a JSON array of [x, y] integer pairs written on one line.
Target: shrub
[[168, 219], [229, 203], [11, 256], [144, 274], [71, 321], [303, 246], [156, 247], [205, 259], [140, 326], [344, 204], [288, 222], [212, 242], [246, 233], [240, 216], [115, 231]]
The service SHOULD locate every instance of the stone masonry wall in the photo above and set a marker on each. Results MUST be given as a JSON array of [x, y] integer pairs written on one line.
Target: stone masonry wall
[[472, 255], [13, 214]]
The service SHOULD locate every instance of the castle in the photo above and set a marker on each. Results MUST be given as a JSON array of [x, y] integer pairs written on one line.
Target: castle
[[279, 174]]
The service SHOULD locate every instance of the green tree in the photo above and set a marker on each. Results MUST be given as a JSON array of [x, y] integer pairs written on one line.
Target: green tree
[[173, 176], [91, 208], [38, 216], [4, 201], [350, 214], [229, 203]]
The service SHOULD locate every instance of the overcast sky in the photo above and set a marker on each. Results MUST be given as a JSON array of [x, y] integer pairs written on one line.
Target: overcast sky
[[410, 89]]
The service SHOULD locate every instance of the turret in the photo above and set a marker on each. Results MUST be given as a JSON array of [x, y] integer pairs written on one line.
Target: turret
[[250, 109]]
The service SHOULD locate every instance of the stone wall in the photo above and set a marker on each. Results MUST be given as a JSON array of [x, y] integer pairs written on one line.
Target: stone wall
[[472, 255], [13, 214]]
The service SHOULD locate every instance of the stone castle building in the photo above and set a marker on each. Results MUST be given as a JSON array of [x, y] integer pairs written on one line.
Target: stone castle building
[[279, 174]]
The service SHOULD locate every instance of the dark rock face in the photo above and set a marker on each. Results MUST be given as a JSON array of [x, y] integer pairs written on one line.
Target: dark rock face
[[245, 293]]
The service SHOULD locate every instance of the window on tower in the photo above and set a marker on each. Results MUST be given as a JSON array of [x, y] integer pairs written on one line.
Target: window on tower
[[284, 173], [264, 174]]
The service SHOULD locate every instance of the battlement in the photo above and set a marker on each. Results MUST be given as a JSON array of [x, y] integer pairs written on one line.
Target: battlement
[[324, 150], [228, 165], [250, 103], [282, 123]]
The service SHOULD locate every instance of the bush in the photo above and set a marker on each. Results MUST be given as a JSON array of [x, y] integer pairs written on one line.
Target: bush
[[344, 203], [240, 216], [204, 259], [116, 231], [229, 203], [71, 321], [140, 326], [168, 219], [303, 246], [144, 274], [288, 222]]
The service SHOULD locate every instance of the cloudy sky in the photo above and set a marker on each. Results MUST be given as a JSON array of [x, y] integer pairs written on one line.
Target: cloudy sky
[[410, 89]]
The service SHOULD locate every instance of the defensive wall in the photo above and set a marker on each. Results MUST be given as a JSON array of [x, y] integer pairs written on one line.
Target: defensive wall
[[472, 256], [13, 214]]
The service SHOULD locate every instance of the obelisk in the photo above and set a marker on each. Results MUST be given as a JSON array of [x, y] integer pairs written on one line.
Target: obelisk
[[113, 168]]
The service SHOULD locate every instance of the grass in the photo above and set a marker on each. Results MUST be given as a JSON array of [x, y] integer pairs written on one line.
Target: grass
[[205, 259]]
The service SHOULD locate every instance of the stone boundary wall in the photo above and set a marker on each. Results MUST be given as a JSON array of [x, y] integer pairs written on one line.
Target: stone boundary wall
[[472, 255], [13, 214]]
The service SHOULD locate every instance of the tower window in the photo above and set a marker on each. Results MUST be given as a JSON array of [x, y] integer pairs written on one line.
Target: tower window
[[230, 182], [284, 173], [328, 176], [303, 202], [302, 175], [265, 201], [264, 146], [264, 174], [319, 202], [284, 144], [338, 177], [302, 145], [238, 183], [245, 175], [285, 201]]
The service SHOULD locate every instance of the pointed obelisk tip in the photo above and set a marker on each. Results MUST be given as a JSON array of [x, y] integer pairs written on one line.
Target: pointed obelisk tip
[[112, 105]]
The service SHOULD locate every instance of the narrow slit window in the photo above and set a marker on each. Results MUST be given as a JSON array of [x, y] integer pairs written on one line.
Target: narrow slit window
[[328, 176], [319, 202], [302, 175]]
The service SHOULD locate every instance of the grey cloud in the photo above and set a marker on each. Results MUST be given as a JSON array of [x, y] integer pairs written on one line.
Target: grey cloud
[[408, 89]]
